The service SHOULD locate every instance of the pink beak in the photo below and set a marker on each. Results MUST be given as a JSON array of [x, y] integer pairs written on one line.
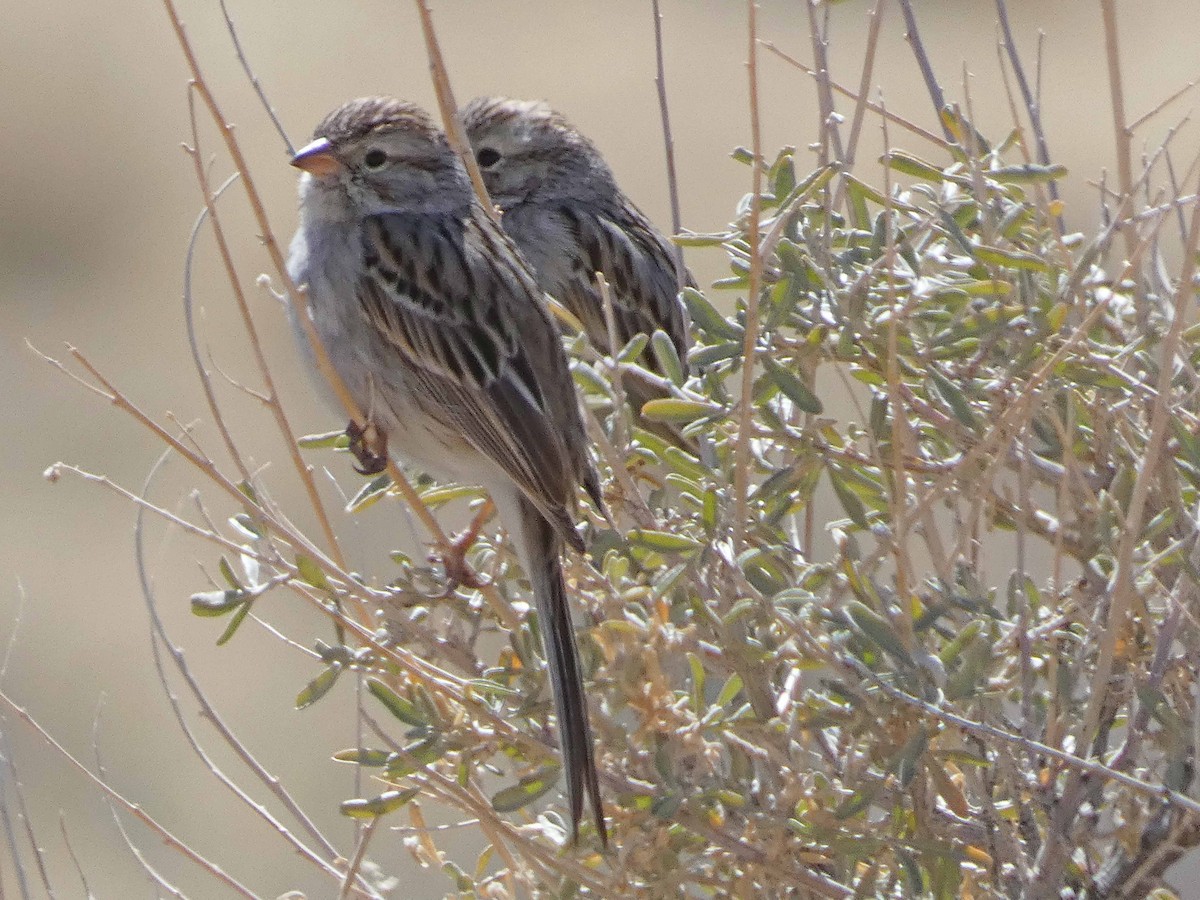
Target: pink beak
[[317, 159]]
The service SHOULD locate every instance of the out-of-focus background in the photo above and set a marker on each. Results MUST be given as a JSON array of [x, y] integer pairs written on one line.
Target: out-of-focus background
[[95, 209]]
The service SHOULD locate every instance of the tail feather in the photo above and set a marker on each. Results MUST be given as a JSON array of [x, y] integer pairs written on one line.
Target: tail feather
[[544, 566]]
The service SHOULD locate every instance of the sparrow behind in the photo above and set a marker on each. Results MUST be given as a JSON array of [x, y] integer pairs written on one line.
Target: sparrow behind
[[563, 208]]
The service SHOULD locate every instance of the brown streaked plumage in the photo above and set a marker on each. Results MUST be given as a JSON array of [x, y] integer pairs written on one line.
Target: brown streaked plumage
[[565, 211], [439, 331]]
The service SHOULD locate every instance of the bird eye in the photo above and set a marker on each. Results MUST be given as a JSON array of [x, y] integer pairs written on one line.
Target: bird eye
[[487, 157], [375, 159]]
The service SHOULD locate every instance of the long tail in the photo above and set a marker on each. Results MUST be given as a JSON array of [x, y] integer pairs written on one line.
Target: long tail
[[544, 565]]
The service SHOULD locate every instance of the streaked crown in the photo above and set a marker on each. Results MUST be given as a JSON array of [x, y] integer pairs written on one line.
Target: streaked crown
[[380, 155], [526, 150], [356, 119]]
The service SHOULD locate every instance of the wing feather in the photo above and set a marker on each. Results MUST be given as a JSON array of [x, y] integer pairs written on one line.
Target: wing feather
[[636, 260], [454, 301]]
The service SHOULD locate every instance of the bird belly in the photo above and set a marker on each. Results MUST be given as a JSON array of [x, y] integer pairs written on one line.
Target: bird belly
[[371, 371]]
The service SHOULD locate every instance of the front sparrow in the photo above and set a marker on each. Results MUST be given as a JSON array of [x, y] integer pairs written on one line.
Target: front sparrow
[[437, 327]]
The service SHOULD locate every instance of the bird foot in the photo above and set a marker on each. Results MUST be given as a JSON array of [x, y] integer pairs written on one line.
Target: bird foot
[[454, 560], [369, 446]]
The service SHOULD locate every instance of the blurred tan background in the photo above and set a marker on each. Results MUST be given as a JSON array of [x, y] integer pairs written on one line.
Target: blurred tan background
[[95, 208]]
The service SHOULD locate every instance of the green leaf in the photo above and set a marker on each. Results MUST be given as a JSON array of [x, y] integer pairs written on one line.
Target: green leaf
[[246, 524], [1027, 174], [666, 805], [739, 610], [440, 495], [709, 510], [858, 801], [988, 287], [525, 791], [387, 802], [462, 882], [813, 182], [247, 491], [965, 134], [672, 409], [955, 398], [666, 356], [975, 657], [729, 689], [663, 541], [703, 357], [1013, 259], [912, 871], [589, 380], [487, 688], [665, 582], [417, 755], [850, 503], [235, 623], [328, 439], [879, 416], [698, 679], [857, 201], [227, 573], [361, 756], [742, 155], [706, 317], [1187, 441], [907, 164], [690, 239], [370, 493], [961, 641], [402, 709], [792, 387], [907, 759], [782, 174], [632, 351], [310, 573], [877, 630], [865, 192], [318, 687], [216, 603]]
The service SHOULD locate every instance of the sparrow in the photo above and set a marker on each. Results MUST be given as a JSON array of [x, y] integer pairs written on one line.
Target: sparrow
[[437, 327]]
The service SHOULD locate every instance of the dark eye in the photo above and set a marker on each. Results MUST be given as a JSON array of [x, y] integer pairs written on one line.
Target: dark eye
[[375, 159], [487, 157]]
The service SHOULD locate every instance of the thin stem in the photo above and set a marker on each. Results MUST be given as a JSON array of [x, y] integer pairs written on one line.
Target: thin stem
[[860, 102], [741, 472], [160, 639], [660, 82], [449, 109], [268, 239], [1033, 106], [982, 729], [360, 853], [132, 808], [1169, 99], [1148, 472], [62, 829], [828, 125], [859, 97], [254, 82], [189, 317], [913, 35], [1123, 136]]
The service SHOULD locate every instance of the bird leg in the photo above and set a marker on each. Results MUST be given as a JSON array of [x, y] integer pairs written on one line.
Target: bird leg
[[369, 446], [454, 559]]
